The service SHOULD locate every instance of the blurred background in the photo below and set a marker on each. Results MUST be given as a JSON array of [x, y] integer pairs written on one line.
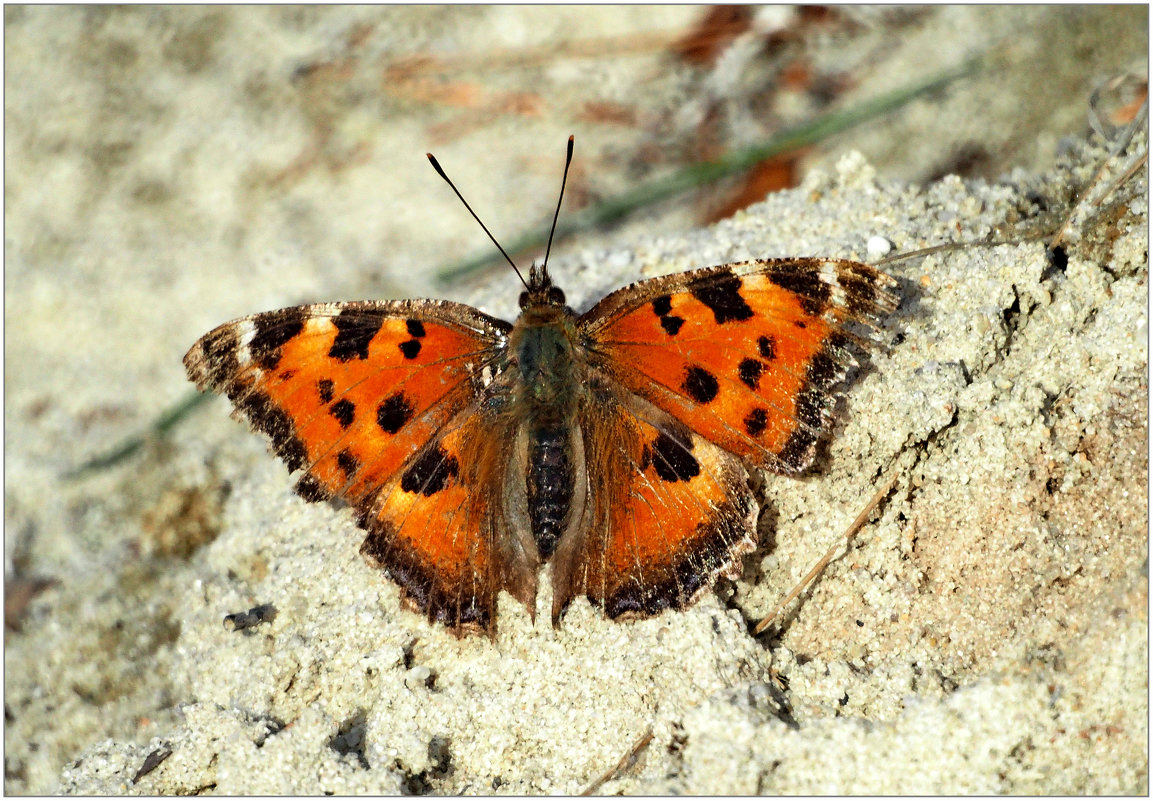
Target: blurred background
[[170, 168]]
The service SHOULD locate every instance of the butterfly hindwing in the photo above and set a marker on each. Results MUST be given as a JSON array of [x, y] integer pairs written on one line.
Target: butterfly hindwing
[[441, 532], [745, 354], [666, 512]]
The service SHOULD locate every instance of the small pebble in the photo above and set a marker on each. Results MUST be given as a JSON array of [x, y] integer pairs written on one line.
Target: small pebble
[[878, 246]]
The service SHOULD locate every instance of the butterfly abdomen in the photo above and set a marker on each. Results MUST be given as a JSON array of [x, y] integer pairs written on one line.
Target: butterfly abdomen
[[549, 485]]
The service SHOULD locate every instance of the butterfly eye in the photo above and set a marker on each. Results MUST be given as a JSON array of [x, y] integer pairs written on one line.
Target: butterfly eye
[[522, 301], [555, 296]]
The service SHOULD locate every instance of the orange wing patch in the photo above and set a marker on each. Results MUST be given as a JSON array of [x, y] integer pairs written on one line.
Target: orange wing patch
[[667, 512], [746, 354]]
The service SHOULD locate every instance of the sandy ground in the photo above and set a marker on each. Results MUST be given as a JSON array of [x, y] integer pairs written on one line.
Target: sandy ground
[[168, 169]]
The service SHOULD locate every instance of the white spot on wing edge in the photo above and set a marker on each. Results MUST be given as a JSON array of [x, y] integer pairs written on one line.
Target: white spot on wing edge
[[830, 274], [315, 326], [245, 331]]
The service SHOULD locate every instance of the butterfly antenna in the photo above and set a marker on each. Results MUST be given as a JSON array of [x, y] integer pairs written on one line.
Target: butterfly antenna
[[556, 215], [436, 166]]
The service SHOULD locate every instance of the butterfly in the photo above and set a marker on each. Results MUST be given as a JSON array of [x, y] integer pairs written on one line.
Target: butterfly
[[609, 445]]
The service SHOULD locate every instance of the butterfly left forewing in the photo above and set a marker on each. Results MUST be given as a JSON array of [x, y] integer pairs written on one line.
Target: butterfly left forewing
[[748, 355], [348, 391]]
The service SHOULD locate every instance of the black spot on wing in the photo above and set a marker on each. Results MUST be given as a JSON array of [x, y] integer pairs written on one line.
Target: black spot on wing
[[669, 322], [344, 411], [393, 413], [767, 347], [721, 292], [430, 472], [348, 463], [805, 282], [354, 332], [273, 330], [756, 422], [325, 388], [672, 459], [700, 384], [672, 324], [311, 489], [410, 348], [750, 371]]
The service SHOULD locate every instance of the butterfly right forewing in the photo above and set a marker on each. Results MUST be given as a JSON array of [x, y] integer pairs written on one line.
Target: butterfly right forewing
[[747, 354]]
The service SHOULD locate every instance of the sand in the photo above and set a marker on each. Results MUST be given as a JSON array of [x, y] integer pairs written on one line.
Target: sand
[[985, 632]]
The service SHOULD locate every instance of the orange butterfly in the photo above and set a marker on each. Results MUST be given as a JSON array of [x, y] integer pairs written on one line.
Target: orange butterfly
[[608, 444]]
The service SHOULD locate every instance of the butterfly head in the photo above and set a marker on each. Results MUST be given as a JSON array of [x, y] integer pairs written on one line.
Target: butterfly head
[[540, 290]]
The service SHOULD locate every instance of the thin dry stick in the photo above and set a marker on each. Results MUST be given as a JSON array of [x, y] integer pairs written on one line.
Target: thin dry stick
[[828, 557], [425, 65], [626, 760], [1118, 146], [1125, 176]]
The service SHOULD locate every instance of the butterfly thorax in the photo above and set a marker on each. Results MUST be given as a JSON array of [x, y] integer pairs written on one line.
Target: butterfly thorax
[[543, 345]]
